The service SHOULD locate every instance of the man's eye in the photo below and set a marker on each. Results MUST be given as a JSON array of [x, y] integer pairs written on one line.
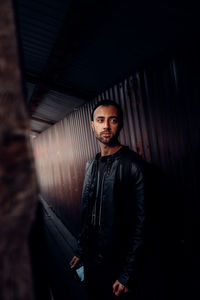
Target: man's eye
[[114, 121], [99, 120]]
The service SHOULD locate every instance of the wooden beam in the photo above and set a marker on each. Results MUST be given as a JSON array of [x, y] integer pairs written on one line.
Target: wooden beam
[[36, 131], [18, 185], [42, 121]]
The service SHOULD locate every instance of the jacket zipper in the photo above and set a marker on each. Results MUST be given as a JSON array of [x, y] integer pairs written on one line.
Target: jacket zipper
[[101, 198], [107, 172], [94, 168], [95, 205]]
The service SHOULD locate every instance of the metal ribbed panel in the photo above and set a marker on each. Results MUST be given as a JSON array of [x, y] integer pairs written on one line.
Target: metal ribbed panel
[[161, 123]]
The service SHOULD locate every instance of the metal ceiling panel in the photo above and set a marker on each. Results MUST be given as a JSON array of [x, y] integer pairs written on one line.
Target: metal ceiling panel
[[116, 41], [57, 105], [38, 126]]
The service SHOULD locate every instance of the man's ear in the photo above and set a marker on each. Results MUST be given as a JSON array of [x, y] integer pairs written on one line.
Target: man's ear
[[92, 125]]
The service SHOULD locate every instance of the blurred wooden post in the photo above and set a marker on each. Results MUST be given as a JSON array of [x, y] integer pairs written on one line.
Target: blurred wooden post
[[18, 187]]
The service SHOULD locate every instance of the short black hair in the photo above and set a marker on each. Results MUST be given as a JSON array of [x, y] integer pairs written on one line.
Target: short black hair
[[108, 103]]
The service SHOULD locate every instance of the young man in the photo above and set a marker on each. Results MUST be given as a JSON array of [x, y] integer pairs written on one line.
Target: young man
[[113, 210]]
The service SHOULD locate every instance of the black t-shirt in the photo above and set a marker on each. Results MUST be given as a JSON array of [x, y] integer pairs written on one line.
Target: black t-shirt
[[96, 210]]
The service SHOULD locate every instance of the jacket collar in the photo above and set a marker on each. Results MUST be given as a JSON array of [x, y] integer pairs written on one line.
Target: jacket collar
[[115, 155]]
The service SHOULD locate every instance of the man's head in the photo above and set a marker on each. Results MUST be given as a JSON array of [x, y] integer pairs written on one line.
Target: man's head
[[107, 121]]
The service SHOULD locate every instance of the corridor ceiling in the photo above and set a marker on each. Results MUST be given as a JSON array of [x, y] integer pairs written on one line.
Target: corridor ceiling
[[73, 50]]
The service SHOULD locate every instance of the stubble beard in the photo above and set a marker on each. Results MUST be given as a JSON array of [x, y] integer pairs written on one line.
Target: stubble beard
[[111, 141]]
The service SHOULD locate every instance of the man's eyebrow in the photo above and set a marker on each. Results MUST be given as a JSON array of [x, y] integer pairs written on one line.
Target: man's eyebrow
[[104, 116]]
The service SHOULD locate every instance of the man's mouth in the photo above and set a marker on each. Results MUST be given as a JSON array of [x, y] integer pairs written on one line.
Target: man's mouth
[[106, 134]]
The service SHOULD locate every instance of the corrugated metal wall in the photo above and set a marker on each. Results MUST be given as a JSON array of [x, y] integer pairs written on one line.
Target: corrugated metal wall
[[161, 105]]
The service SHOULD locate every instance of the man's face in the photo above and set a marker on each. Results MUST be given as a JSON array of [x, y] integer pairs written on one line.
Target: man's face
[[106, 124]]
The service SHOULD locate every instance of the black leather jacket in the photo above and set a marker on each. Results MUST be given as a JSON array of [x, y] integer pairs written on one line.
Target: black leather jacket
[[122, 219]]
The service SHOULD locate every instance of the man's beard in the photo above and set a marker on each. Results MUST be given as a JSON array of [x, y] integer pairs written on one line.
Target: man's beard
[[110, 141]]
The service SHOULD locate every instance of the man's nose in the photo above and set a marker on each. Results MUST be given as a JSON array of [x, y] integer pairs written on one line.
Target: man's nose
[[106, 124]]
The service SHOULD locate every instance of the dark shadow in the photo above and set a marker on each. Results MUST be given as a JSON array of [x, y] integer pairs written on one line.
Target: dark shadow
[[160, 275], [38, 253]]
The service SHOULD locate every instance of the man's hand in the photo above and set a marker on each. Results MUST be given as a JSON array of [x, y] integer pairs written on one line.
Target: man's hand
[[73, 263], [119, 289]]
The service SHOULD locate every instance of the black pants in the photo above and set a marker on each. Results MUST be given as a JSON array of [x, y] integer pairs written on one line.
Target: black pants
[[99, 279]]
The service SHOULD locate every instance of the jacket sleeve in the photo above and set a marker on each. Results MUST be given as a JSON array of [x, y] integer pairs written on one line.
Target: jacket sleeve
[[136, 236]]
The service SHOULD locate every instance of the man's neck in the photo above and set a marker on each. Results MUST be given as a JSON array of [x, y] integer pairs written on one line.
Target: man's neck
[[109, 150]]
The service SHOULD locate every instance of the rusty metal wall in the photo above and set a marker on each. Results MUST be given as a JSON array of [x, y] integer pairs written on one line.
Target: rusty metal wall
[[161, 105]]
